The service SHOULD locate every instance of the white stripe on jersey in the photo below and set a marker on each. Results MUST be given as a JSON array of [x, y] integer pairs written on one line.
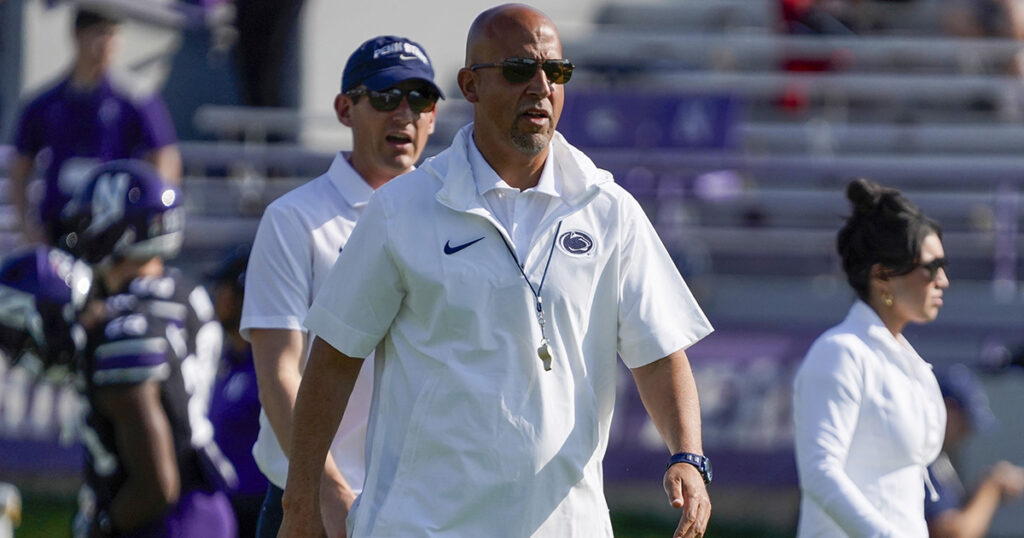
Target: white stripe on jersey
[[136, 346], [166, 310], [136, 374]]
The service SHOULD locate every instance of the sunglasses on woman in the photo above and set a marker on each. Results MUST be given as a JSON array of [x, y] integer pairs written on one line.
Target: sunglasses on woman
[[520, 70], [933, 267], [420, 99]]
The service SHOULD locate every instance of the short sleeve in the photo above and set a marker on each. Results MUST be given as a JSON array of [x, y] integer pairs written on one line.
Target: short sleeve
[[359, 300], [658, 314], [132, 352], [157, 128], [278, 279], [28, 136]]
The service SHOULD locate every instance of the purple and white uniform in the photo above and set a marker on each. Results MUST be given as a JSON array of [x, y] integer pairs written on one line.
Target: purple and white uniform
[[146, 337]]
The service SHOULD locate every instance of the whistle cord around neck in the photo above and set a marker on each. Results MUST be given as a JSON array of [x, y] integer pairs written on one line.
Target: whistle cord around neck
[[544, 275]]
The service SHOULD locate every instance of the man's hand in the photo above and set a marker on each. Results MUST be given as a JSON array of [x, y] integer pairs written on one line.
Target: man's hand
[[685, 489], [335, 502], [1009, 478]]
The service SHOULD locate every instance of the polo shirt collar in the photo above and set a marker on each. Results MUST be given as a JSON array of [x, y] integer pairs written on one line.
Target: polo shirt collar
[[349, 183], [579, 181], [488, 180]]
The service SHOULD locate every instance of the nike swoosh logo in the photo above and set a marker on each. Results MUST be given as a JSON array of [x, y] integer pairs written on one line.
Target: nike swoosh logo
[[449, 249]]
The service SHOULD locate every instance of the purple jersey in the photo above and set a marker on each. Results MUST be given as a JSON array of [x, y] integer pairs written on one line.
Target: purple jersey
[[146, 337], [235, 413], [80, 129]]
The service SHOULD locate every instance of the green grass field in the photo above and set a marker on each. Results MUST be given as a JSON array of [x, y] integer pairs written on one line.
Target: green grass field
[[49, 517]]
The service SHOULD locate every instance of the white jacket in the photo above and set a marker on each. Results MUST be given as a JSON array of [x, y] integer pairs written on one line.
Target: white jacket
[[468, 435], [869, 419]]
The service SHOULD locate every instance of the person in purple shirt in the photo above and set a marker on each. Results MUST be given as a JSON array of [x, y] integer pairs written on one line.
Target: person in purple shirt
[[85, 119], [235, 404]]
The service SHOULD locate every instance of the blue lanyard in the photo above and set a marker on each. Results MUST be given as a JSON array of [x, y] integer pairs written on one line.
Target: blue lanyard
[[544, 350]]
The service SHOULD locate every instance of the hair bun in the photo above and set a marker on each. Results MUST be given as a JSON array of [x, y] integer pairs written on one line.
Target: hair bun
[[865, 195]]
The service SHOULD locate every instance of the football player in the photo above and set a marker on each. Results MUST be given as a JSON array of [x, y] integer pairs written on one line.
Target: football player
[[153, 469]]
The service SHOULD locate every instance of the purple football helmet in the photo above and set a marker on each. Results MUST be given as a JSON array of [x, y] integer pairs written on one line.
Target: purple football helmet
[[41, 291], [125, 210]]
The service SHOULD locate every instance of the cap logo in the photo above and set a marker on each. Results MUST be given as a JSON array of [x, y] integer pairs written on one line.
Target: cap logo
[[407, 51]]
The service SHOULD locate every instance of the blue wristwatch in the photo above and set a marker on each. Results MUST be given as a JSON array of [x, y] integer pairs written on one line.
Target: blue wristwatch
[[702, 463]]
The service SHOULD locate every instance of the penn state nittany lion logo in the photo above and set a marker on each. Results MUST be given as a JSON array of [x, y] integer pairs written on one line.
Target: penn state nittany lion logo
[[576, 242]]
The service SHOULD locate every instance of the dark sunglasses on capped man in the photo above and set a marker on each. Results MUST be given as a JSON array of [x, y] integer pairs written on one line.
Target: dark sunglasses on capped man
[[520, 70], [420, 99]]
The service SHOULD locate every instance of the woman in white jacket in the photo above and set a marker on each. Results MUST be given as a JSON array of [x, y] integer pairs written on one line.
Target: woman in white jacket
[[868, 413]]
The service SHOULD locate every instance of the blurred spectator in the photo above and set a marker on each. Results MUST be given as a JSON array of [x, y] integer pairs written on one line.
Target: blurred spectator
[[984, 18], [235, 407], [958, 513], [86, 118], [10, 510], [815, 16], [991, 19], [266, 46]]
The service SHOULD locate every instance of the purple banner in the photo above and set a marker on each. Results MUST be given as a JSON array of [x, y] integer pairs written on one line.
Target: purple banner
[[630, 120], [744, 379], [31, 415]]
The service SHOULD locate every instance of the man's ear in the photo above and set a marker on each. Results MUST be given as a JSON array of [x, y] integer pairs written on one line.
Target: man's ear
[[343, 109], [468, 84]]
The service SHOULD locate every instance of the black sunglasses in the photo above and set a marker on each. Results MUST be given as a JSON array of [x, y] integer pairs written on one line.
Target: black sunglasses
[[420, 99], [932, 267], [520, 70]]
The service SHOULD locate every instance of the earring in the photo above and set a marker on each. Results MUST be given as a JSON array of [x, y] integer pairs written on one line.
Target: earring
[[887, 299]]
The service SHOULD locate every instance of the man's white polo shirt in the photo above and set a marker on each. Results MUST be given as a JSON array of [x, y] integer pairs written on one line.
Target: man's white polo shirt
[[469, 435], [298, 240]]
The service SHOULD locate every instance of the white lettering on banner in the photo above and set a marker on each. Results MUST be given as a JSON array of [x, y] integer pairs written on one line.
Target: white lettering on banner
[[693, 125], [31, 409]]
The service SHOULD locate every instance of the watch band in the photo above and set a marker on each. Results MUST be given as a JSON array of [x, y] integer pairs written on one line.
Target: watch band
[[104, 526], [702, 463]]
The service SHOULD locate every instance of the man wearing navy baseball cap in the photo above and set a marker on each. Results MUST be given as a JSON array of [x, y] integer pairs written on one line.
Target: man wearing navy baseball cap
[[388, 99], [959, 512]]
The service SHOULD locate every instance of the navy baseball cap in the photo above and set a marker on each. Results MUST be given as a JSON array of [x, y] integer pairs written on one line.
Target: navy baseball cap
[[384, 61], [959, 384]]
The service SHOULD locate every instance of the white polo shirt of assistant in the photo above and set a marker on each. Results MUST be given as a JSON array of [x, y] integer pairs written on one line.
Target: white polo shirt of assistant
[[297, 242]]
